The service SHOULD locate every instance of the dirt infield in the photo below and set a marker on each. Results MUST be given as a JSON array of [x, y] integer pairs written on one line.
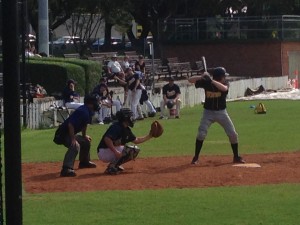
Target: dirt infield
[[166, 172]]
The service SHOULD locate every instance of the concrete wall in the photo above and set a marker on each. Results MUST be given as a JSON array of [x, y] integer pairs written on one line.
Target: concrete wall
[[191, 96]]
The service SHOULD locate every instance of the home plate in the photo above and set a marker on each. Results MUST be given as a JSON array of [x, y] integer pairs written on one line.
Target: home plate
[[247, 165]]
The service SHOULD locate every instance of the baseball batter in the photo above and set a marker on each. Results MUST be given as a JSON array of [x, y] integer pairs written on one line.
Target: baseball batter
[[216, 90]]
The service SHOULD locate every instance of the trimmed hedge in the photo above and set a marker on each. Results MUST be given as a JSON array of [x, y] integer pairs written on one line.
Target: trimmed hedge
[[91, 74], [53, 75]]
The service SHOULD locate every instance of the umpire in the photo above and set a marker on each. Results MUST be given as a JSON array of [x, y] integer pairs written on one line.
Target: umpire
[[75, 123]]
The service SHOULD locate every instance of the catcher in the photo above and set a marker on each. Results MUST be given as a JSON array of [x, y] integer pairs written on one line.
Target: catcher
[[113, 148]]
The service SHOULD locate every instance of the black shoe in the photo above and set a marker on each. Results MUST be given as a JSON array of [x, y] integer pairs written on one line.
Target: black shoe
[[151, 114], [111, 170], [67, 172], [238, 160], [87, 165], [195, 160], [121, 168], [177, 117]]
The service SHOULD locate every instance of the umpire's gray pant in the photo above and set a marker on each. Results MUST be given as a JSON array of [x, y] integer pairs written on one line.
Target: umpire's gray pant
[[82, 146]]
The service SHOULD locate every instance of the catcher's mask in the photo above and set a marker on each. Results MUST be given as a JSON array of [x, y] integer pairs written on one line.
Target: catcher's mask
[[93, 100], [125, 115], [170, 104], [219, 72]]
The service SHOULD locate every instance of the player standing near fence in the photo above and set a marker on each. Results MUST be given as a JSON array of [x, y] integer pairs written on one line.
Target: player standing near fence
[[216, 91]]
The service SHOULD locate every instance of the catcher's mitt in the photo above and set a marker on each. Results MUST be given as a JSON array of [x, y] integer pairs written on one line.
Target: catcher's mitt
[[156, 129]]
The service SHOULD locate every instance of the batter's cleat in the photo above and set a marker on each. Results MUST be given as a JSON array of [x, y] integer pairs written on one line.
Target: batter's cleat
[[177, 117], [238, 160], [195, 160], [161, 117], [67, 172], [89, 164]]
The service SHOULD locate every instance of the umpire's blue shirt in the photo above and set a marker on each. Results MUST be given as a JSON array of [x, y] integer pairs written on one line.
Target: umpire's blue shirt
[[79, 119]]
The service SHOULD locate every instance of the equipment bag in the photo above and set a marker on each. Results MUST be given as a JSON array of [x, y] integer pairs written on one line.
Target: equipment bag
[[59, 136], [260, 109]]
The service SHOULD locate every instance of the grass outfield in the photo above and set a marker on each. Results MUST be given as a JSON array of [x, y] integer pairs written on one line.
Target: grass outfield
[[275, 131], [266, 205], [263, 204]]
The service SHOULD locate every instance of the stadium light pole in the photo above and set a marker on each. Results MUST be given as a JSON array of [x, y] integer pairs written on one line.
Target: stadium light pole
[[43, 27]]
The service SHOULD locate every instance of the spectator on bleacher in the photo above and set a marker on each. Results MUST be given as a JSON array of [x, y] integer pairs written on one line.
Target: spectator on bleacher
[[30, 51], [171, 93], [126, 63], [102, 93], [70, 97], [114, 68]]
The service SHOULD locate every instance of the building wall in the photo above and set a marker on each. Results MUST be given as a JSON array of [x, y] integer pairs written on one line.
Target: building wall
[[288, 63], [253, 59]]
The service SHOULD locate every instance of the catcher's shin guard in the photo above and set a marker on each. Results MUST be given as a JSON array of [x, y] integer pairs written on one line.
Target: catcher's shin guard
[[130, 152]]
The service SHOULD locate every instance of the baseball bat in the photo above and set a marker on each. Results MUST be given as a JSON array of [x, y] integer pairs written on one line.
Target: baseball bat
[[204, 63]]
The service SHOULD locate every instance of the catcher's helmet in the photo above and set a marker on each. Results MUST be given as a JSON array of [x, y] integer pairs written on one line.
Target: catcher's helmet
[[125, 115], [219, 72], [170, 104], [92, 99]]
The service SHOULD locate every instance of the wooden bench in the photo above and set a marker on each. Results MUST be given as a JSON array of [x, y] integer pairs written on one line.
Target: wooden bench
[[105, 55], [157, 72], [182, 69], [173, 60], [73, 55], [155, 61], [130, 53], [198, 69], [99, 59]]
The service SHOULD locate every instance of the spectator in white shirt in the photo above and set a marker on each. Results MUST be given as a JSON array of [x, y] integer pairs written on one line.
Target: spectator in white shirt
[[115, 68]]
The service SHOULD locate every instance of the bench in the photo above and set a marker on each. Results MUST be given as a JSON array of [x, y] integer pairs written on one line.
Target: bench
[[105, 55], [99, 59], [73, 55], [180, 69], [155, 61], [130, 53], [173, 60]]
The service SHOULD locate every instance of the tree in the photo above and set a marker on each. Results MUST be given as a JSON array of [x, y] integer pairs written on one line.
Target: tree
[[84, 23], [115, 12]]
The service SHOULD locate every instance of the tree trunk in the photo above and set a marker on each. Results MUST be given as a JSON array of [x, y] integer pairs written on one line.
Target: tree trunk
[[107, 36]]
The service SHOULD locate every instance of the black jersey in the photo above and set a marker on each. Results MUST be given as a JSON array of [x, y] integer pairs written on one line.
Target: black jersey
[[171, 91], [214, 98], [132, 80], [119, 134]]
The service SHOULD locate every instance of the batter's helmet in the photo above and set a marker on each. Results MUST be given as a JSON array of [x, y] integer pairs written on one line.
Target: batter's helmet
[[219, 72], [125, 115], [92, 99]]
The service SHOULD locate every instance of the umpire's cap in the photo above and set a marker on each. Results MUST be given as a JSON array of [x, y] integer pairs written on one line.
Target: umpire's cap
[[93, 100]]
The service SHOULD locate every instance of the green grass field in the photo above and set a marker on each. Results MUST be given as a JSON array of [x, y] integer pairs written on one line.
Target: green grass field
[[275, 131]]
